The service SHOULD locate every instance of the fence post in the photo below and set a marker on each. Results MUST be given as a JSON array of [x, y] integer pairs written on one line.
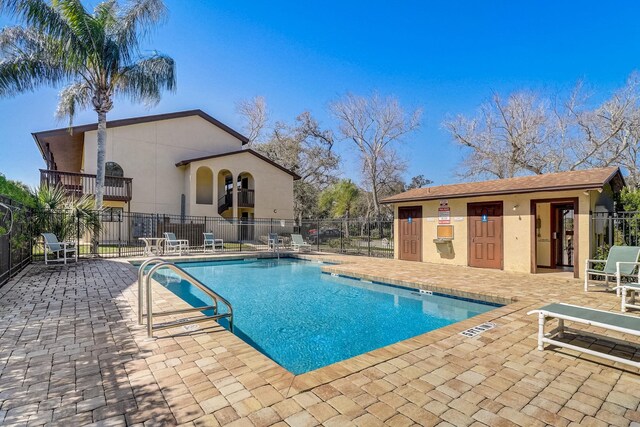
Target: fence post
[[318, 233], [610, 231], [342, 236], [120, 237], [78, 232], [9, 252], [369, 236]]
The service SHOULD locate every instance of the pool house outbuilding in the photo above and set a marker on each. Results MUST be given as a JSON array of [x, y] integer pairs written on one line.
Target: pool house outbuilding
[[535, 224]]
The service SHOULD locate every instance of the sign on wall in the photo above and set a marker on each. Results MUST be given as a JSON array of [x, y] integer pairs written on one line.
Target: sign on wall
[[444, 215]]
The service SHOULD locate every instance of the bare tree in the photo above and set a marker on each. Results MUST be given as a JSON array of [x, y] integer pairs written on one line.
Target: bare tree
[[255, 114], [600, 135], [374, 125], [303, 147], [506, 137], [529, 133]]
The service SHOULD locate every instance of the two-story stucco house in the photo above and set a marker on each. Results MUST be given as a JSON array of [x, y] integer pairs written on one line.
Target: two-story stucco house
[[183, 163]]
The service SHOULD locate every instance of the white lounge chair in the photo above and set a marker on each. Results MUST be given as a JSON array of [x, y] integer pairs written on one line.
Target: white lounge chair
[[298, 243], [587, 316], [171, 244], [211, 242], [61, 250], [274, 242], [621, 262]]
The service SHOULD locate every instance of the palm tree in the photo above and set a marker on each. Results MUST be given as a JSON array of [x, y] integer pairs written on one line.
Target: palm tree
[[65, 216], [339, 200], [95, 54]]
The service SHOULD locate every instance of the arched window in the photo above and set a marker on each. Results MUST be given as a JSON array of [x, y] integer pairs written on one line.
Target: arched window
[[112, 169]]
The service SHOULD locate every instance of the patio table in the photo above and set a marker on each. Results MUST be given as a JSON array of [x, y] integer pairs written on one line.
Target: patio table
[[152, 245]]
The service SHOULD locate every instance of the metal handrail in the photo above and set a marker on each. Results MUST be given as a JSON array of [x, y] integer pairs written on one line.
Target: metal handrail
[[141, 276], [195, 282]]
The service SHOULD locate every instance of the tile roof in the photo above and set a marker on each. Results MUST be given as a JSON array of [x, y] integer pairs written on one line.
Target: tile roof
[[573, 180]]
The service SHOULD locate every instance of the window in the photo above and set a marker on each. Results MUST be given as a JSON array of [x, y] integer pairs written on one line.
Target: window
[[112, 169], [112, 214]]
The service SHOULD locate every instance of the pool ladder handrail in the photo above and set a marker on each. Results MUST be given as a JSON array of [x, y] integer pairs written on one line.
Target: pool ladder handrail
[[146, 280]]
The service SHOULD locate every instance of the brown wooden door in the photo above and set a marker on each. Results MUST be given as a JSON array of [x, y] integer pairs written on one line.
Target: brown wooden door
[[485, 235], [410, 233]]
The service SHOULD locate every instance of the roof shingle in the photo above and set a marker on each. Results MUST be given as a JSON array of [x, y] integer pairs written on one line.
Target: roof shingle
[[573, 180]]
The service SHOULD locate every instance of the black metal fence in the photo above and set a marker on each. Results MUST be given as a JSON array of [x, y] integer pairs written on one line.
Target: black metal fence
[[15, 238], [353, 236], [618, 228], [123, 234]]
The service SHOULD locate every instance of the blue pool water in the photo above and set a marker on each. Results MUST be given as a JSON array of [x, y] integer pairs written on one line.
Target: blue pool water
[[304, 319]]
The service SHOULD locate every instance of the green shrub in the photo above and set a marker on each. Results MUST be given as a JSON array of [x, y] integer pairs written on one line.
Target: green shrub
[[16, 190]]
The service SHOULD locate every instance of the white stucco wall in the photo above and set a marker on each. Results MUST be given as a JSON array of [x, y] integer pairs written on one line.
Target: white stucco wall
[[273, 187], [148, 153]]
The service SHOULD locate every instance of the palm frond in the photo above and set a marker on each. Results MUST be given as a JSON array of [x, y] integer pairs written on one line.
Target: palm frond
[[43, 17], [106, 13], [24, 74], [29, 59], [83, 25], [18, 42], [146, 79], [72, 98], [86, 217], [50, 197], [136, 22]]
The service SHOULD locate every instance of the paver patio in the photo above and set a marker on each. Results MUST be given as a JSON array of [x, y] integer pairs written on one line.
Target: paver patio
[[71, 353]]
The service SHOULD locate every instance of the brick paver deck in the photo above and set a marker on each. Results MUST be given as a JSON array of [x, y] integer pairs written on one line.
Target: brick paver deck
[[71, 353]]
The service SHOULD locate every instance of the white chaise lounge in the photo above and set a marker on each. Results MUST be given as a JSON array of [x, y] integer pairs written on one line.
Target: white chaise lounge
[[587, 316], [627, 292], [298, 243]]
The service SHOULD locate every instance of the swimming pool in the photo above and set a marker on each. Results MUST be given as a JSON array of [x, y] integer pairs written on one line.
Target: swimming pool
[[304, 319]]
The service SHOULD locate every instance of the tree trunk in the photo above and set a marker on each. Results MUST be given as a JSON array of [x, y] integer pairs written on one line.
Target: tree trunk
[[346, 217], [100, 165], [100, 169]]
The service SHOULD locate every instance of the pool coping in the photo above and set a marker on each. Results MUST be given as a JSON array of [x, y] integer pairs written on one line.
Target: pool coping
[[326, 374]]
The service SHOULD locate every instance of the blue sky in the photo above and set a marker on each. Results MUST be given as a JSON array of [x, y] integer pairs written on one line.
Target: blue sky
[[444, 57]]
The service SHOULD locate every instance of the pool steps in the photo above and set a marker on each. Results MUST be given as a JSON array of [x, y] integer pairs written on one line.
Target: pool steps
[[144, 281]]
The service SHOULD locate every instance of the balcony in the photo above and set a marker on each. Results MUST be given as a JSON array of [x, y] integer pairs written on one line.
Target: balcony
[[79, 184], [246, 199]]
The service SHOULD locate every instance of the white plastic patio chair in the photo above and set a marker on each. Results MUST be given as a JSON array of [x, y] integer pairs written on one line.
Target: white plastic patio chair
[[211, 242], [622, 261], [274, 242], [61, 250], [173, 245]]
